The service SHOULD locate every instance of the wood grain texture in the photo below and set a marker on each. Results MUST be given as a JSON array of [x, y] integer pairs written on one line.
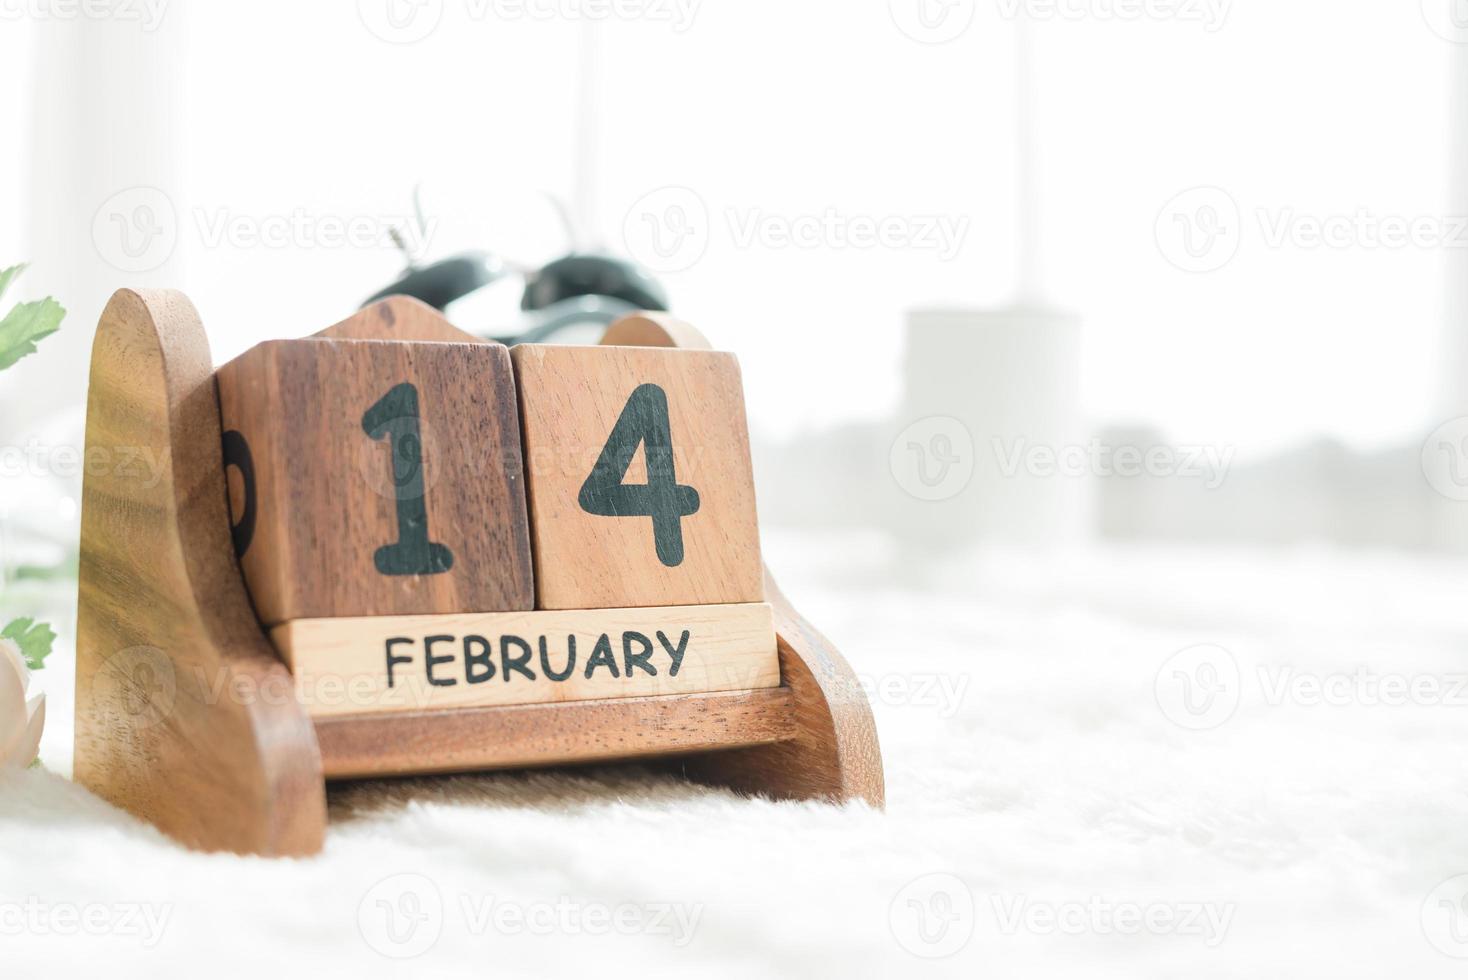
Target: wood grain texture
[[168, 651], [571, 401], [399, 318], [518, 736], [349, 464], [377, 664], [834, 753]]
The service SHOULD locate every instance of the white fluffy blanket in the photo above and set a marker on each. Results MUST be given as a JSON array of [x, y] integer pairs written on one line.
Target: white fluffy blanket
[[1047, 812]]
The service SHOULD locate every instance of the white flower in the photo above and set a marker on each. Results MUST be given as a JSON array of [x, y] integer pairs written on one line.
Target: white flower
[[21, 721]]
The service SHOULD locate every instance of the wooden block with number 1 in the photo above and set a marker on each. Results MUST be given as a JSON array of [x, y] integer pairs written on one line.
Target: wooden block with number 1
[[641, 491], [376, 478]]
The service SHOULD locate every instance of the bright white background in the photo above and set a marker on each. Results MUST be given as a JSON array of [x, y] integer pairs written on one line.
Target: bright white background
[[791, 109]]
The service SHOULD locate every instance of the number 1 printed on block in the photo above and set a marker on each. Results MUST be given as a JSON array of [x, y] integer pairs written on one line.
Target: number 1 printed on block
[[395, 418], [376, 478]]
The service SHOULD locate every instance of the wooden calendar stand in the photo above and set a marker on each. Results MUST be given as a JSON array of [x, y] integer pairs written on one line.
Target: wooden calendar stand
[[188, 718]]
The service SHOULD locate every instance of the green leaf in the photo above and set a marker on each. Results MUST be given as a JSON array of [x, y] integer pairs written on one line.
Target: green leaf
[[34, 640], [61, 571], [25, 325], [8, 276]]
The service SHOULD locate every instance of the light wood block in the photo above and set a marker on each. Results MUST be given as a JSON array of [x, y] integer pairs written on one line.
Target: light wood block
[[639, 477], [374, 664], [375, 477]]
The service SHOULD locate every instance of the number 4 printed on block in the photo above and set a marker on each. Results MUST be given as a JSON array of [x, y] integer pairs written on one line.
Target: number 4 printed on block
[[644, 421], [686, 533]]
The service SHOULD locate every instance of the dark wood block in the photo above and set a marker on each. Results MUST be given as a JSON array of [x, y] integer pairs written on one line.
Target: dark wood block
[[374, 478]]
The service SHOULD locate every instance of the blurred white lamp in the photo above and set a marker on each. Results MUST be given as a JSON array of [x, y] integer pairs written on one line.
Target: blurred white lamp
[[990, 431]]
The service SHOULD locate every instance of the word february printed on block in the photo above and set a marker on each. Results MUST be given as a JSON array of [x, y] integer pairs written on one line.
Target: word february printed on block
[[373, 664]]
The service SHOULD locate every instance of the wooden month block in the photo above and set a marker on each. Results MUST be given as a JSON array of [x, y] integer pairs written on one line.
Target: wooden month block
[[373, 664], [376, 478], [641, 491]]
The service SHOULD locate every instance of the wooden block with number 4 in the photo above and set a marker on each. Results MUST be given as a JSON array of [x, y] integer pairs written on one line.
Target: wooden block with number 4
[[641, 492], [375, 478]]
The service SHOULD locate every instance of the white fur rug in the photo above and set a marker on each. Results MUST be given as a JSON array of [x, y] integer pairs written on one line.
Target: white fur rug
[[1047, 812]]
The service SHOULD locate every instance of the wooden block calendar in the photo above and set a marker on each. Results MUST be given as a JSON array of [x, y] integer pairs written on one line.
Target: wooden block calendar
[[392, 548]]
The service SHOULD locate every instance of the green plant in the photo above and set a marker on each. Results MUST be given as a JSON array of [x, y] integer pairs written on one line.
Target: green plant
[[26, 323], [34, 640], [20, 330]]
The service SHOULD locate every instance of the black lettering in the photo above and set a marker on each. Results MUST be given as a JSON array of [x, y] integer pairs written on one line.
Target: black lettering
[[395, 417], [392, 658], [630, 659], [482, 659], [601, 656], [643, 422], [430, 661], [237, 454], [509, 663], [545, 666], [675, 653]]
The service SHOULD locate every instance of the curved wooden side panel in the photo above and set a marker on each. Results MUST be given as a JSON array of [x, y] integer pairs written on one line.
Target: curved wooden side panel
[[834, 753], [185, 716]]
